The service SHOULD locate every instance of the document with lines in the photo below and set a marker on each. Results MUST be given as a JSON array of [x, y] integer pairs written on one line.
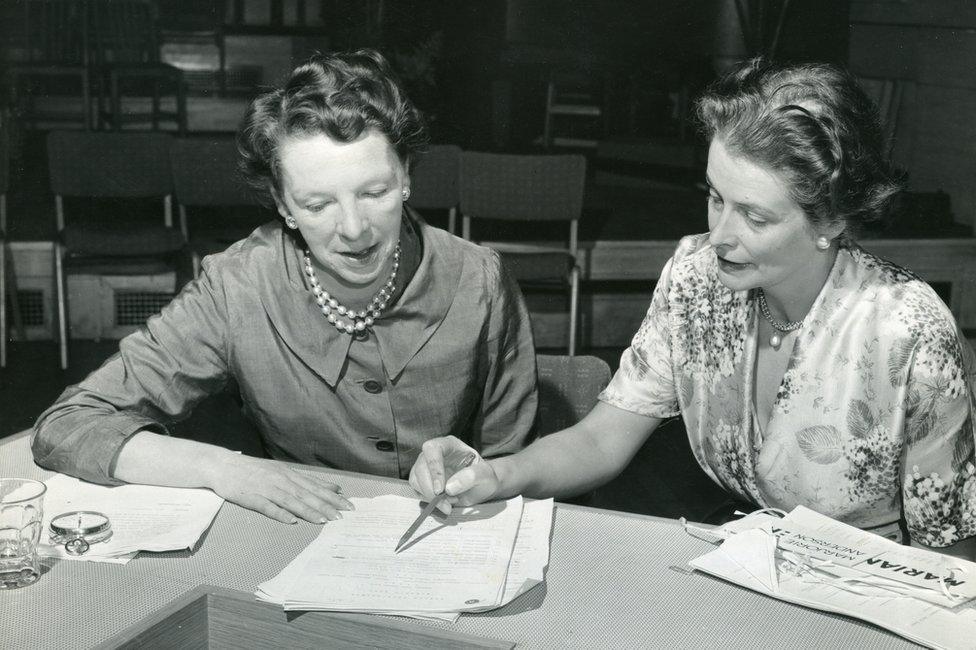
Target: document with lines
[[478, 558]]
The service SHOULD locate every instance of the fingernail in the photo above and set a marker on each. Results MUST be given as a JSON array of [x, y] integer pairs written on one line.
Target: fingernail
[[451, 485], [438, 488], [322, 520], [293, 521]]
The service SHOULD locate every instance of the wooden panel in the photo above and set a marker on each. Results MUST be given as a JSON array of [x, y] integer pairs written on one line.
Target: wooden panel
[[213, 617]]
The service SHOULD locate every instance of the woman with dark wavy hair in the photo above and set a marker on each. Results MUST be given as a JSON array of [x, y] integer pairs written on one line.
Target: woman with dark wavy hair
[[354, 331], [807, 371]]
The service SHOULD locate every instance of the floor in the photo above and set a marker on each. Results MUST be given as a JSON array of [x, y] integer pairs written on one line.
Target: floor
[[663, 479]]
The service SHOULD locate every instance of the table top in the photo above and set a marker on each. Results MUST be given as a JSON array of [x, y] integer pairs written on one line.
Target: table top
[[614, 580]]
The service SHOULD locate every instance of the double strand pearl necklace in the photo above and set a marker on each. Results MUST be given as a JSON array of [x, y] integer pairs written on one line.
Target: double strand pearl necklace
[[778, 326], [345, 319]]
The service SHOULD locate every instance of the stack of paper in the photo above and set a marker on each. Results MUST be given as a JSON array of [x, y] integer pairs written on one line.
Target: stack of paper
[[812, 560], [478, 558], [143, 517]]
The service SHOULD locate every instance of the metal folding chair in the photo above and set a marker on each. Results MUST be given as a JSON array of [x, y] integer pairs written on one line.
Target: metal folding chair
[[434, 182], [207, 184], [47, 49], [125, 37], [8, 278], [527, 189], [103, 165]]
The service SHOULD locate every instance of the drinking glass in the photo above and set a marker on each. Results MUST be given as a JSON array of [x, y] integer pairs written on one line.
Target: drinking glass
[[21, 513]]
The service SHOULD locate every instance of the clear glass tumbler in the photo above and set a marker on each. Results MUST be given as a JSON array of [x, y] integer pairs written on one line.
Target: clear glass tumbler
[[21, 514]]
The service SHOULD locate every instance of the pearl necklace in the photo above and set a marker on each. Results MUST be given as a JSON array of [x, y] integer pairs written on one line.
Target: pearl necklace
[[778, 326], [333, 310]]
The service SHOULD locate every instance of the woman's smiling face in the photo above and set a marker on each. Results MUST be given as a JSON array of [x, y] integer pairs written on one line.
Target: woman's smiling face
[[761, 237], [346, 199]]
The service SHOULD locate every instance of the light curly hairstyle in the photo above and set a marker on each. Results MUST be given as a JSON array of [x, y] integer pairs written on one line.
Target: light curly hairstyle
[[813, 124]]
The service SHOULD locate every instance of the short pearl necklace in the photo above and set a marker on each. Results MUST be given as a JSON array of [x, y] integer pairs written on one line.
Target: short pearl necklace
[[778, 326], [354, 321]]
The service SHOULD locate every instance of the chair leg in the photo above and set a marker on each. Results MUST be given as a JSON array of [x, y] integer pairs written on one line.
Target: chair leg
[[62, 305], [3, 304], [181, 116], [573, 308], [155, 105], [13, 292], [116, 102]]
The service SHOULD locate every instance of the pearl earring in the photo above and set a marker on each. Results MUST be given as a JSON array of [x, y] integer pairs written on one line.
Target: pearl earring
[[291, 223], [823, 243], [405, 193]]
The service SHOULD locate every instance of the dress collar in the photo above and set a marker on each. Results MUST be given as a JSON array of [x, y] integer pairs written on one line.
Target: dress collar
[[400, 332]]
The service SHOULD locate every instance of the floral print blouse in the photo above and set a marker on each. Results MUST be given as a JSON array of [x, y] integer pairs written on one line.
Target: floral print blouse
[[873, 420]]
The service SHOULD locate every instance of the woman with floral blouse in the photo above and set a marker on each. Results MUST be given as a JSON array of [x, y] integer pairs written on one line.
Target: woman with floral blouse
[[807, 370]]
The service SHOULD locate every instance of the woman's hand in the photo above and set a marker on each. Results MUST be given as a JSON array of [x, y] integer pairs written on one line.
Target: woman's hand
[[276, 490], [439, 469]]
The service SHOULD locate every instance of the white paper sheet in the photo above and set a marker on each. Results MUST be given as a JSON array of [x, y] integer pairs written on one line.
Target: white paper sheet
[[143, 517], [479, 558]]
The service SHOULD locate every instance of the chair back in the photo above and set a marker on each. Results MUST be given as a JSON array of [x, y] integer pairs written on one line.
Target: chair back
[[49, 31], [522, 187], [125, 31], [434, 178], [109, 164], [205, 173], [568, 389]]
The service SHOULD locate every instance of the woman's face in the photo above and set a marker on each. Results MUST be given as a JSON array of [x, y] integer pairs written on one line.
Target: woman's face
[[761, 236], [346, 198]]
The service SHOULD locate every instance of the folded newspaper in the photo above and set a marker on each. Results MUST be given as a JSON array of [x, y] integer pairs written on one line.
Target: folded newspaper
[[813, 560], [478, 558]]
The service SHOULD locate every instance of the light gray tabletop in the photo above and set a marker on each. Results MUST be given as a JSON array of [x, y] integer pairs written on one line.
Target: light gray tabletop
[[615, 580]]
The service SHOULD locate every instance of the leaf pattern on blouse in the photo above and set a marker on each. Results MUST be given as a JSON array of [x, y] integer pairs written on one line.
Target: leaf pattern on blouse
[[872, 420], [820, 444]]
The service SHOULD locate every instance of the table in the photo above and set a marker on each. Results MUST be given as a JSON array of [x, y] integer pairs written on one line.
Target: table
[[615, 580]]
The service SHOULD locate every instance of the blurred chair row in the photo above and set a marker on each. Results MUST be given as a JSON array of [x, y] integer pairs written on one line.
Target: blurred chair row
[[200, 173], [80, 48]]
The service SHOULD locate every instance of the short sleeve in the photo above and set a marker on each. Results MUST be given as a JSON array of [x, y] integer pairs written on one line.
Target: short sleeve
[[644, 383], [939, 489]]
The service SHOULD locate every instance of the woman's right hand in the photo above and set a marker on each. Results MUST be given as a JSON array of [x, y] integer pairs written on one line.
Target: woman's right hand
[[439, 468], [276, 490]]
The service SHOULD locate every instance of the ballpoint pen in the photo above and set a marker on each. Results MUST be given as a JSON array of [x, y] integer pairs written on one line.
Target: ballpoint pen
[[429, 508]]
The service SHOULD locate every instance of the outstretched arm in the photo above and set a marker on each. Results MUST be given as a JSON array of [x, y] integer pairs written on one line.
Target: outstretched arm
[[571, 461]]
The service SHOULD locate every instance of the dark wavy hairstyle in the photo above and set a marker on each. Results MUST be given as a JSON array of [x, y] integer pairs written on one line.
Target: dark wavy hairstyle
[[813, 124], [340, 95]]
